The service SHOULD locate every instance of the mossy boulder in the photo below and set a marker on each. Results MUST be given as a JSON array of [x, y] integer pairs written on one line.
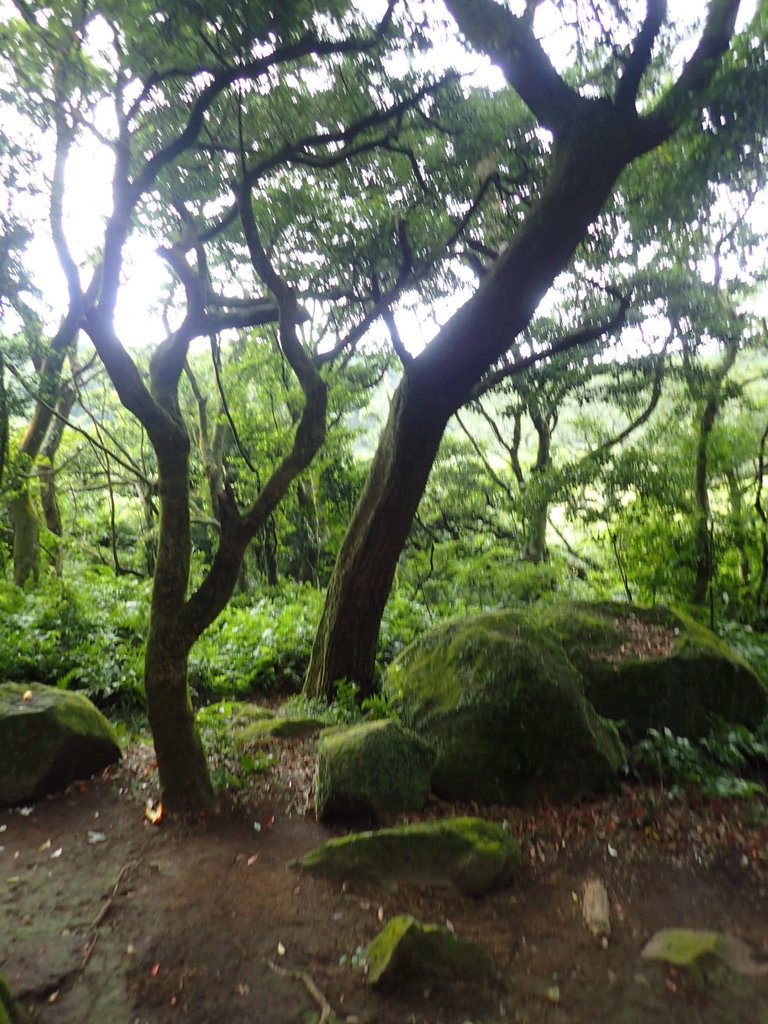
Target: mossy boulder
[[505, 710], [407, 953], [656, 668], [467, 854], [370, 771], [48, 737]]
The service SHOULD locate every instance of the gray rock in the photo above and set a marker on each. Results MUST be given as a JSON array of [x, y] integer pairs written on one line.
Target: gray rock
[[48, 737]]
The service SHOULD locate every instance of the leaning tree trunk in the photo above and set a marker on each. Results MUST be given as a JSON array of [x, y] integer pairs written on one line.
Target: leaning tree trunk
[[345, 644]]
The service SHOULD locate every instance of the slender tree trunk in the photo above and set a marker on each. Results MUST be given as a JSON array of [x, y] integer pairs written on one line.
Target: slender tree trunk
[[184, 777], [26, 537], [702, 552], [738, 525], [536, 543], [345, 645]]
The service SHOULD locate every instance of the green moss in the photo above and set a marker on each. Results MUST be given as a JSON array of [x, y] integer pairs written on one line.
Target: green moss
[[406, 952], [279, 728], [49, 739], [371, 770], [468, 854], [505, 710]]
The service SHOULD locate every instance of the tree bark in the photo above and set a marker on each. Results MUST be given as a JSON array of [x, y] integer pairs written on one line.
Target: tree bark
[[595, 139], [26, 537], [345, 645]]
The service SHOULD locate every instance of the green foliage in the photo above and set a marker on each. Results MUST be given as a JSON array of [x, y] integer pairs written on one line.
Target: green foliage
[[260, 646], [232, 766], [722, 764], [85, 635]]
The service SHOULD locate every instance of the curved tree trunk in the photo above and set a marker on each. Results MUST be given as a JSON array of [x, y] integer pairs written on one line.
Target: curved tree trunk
[[345, 644]]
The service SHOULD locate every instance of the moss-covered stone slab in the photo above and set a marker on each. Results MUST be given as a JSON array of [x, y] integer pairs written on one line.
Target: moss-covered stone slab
[[48, 738], [10, 1011], [238, 712], [505, 710], [689, 947], [371, 770], [407, 952], [467, 854], [681, 679]]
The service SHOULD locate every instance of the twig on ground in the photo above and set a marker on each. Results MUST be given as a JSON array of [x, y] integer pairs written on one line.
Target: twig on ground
[[326, 1010], [93, 930]]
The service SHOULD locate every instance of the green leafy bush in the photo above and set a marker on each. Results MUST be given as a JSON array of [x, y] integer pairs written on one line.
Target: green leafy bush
[[85, 635], [257, 646], [725, 764]]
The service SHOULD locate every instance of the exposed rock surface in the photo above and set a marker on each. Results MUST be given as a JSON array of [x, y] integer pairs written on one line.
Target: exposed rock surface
[[48, 737], [407, 953], [468, 854], [370, 771]]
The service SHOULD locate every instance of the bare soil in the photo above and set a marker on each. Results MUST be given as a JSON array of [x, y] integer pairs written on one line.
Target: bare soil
[[107, 919]]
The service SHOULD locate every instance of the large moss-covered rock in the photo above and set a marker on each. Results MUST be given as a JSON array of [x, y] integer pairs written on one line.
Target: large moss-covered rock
[[468, 854], [48, 737], [370, 771], [505, 710], [658, 667], [407, 952]]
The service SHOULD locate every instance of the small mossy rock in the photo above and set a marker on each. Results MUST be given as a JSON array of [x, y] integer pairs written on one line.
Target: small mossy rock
[[693, 678], [467, 854], [371, 770], [505, 710], [10, 1011], [280, 728], [238, 712], [689, 947], [407, 953], [48, 737]]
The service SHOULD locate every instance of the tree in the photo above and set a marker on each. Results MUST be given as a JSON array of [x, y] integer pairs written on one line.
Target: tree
[[278, 162], [601, 120]]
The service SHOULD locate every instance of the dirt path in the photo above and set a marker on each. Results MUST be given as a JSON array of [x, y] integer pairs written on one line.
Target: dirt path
[[108, 920]]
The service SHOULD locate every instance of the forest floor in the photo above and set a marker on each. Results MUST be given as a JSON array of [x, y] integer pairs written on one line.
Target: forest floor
[[107, 919]]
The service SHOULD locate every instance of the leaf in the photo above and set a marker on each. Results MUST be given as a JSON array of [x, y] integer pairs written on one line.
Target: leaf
[[154, 815]]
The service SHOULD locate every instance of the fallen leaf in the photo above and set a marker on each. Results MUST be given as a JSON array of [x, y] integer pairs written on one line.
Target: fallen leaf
[[44, 846], [154, 815], [27, 696], [96, 837], [154, 970], [252, 860], [280, 949], [57, 853]]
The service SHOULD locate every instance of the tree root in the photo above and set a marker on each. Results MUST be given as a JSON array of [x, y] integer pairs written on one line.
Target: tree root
[[92, 935], [326, 1010]]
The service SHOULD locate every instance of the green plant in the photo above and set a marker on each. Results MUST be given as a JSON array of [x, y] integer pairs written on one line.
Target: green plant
[[715, 766]]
